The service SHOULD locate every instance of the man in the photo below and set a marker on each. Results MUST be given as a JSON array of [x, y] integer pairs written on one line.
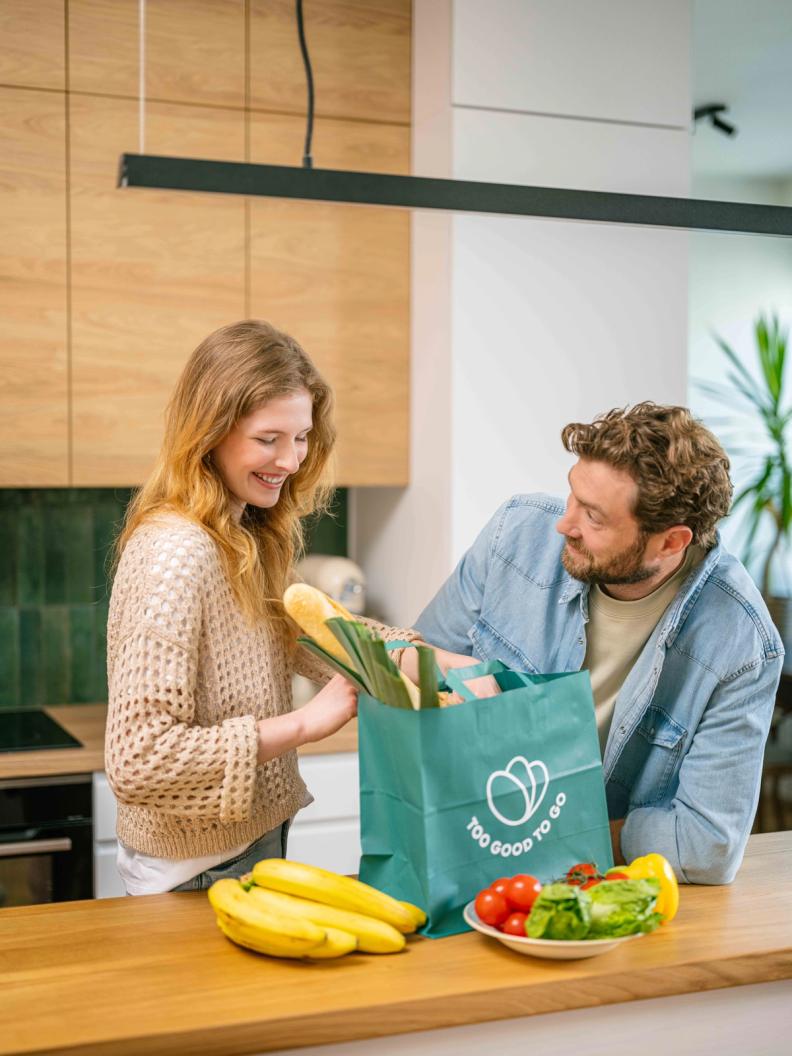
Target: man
[[631, 582]]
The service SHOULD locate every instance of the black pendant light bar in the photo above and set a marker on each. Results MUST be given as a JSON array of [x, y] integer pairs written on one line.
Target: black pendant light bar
[[457, 196]]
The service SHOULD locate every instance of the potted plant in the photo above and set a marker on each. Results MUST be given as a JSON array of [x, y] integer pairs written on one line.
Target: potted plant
[[767, 495]]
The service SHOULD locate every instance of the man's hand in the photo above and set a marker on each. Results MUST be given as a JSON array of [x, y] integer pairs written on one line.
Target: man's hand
[[484, 687], [615, 832]]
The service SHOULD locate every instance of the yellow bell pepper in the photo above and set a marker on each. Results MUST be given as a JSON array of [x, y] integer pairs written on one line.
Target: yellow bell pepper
[[655, 865]]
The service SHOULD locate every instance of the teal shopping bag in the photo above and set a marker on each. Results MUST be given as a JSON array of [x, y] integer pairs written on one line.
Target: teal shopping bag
[[453, 798]]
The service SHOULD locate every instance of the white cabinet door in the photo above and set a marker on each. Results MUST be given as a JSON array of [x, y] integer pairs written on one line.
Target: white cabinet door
[[331, 845], [104, 809], [107, 882], [327, 833]]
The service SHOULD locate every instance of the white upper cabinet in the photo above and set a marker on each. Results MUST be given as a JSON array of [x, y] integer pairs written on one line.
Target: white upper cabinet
[[609, 60]]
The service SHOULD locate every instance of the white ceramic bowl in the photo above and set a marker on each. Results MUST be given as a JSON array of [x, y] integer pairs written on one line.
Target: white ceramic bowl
[[552, 949]]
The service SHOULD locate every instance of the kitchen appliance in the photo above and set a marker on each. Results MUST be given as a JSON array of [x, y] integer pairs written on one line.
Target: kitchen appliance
[[338, 577], [46, 839], [26, 730]]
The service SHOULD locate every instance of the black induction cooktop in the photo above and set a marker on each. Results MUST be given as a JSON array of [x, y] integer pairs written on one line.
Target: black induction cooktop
[[30, 729]]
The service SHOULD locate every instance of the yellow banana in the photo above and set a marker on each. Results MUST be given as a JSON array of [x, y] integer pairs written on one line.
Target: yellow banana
[[417, 912], [320, 885], [309, 608], [373, 936], [233, 904], [336, 944], [252, 939]]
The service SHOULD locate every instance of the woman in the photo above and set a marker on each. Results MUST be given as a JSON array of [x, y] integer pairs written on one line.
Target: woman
[[201, 738]]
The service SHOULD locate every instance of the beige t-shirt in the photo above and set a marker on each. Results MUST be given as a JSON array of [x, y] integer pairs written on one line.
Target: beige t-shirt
[[617, 632]]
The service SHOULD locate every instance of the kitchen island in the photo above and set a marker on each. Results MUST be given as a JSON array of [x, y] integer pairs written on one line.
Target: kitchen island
[[154, 975]]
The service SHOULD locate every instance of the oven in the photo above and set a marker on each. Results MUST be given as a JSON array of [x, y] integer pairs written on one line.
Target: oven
[[46, 839]]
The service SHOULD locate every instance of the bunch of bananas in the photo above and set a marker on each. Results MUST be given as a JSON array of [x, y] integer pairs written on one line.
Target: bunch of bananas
[[286, 909]]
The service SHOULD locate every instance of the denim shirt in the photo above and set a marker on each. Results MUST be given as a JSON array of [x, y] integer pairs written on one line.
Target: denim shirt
[[684, 755]]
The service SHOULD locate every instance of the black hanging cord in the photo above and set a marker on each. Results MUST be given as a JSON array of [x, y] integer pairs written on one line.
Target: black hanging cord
[[307, 159]]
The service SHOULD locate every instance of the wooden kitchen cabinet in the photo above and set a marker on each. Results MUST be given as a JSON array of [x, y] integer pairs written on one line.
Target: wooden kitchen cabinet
[[33, 292], [105, 292], [337, 277], [33, 51], [152, 274], [360, 54], [194, 50]]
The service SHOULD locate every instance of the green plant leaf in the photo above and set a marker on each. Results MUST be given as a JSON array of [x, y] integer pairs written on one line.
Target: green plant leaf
[[740, 367]]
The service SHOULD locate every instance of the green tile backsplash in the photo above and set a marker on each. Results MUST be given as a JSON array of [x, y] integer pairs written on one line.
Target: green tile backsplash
[[54, 588]]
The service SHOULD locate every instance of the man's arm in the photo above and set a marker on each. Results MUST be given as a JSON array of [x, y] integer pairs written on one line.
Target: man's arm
[[704, 831], [446, 620]]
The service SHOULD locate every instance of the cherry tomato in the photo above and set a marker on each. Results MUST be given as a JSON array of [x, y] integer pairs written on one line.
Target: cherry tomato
[[491, 908], [523, 891], [590, 882], [500, 886], [580, 872], [514, 924], [616, 876]]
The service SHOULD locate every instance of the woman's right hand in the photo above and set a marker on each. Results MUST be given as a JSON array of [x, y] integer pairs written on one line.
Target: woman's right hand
[[332, 707]]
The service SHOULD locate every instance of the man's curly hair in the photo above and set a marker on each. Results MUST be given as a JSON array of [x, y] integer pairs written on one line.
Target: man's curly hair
[[681, 470]]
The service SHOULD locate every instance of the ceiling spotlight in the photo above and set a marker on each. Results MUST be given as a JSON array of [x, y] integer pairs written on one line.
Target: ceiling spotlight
[[712, 112]]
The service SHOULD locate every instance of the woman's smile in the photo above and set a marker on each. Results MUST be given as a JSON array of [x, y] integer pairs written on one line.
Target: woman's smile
[[270, 481]]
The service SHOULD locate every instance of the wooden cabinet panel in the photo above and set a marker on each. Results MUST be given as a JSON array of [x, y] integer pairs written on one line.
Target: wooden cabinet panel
[[360, 54], [33, 49], [337, 278], [33, 337], [195, 49], [152, 274]]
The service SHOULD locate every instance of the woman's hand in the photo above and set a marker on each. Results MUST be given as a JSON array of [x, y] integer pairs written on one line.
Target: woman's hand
[[484, 687], [331, 708]]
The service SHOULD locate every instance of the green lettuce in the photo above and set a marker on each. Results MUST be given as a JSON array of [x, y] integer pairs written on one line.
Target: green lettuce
[[562, 911], [623, 907]]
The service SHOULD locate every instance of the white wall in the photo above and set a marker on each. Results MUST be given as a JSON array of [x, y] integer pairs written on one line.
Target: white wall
[[522, 325]]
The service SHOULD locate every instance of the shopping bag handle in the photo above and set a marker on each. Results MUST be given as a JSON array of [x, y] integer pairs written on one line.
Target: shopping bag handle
[[456, 677], [399, 644]]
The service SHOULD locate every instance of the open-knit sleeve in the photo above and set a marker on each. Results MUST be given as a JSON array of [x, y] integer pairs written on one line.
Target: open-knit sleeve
[[156, 755], [310, 666]]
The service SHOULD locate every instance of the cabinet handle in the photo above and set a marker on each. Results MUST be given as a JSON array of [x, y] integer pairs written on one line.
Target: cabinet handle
[[24, 847]]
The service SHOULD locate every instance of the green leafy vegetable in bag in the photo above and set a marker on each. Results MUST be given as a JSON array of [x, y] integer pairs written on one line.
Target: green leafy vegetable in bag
[[623, 907], [562, 911]]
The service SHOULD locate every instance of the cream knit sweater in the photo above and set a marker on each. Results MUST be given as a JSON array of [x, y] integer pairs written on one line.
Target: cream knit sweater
[[188, 680]]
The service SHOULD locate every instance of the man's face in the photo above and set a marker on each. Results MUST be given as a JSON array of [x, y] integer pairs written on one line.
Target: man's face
[[603, 541]]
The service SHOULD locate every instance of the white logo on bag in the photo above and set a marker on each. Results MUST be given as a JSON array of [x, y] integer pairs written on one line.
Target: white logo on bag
[[527, 785]]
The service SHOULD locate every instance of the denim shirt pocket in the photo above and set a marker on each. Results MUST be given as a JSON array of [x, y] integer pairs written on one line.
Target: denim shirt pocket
[[662, 741], [489, 644]]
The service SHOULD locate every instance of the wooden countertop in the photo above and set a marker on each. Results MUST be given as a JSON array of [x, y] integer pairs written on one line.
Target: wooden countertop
[[86, 722], [154, 974]]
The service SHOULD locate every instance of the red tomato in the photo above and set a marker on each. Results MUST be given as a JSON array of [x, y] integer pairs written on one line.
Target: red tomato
[[499, 887], [590, 883], [578, 873], [616, 876], [514, 924], [523, 891], [491, 908]]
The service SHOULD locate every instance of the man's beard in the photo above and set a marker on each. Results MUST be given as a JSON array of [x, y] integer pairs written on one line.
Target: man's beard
[[621, 569]]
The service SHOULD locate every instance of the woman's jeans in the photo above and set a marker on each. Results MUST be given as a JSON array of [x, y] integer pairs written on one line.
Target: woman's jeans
[[271, 845]]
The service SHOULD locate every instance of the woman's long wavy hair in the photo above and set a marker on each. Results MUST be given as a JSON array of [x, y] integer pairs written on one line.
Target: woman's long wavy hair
[[233, 372]]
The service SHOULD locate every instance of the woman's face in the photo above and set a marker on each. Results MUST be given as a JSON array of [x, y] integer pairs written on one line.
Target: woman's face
[[265, 448]]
